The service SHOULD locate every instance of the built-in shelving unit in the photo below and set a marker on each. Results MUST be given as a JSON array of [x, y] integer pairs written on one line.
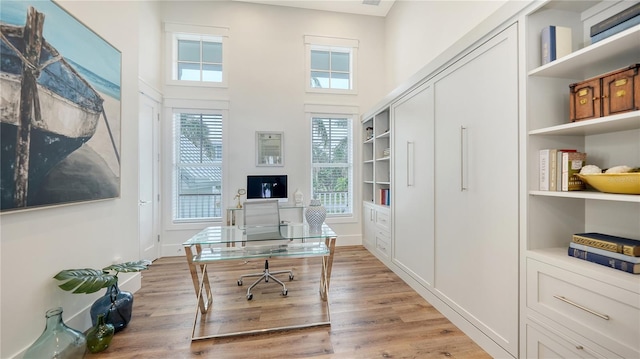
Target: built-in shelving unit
[[553, 217], [376, 157], [376, 165]]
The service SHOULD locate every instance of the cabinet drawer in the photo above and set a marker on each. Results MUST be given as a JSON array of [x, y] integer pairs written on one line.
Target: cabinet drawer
[[545, 343], [382, 220], [382, 242], [606, 314]]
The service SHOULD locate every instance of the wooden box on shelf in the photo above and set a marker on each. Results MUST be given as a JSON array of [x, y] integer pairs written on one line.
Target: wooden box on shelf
[[621, 91], [584, 100], [609, 94]]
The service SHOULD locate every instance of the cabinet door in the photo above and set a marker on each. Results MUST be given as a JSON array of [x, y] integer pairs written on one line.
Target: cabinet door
[[369, 226], [413, 156], [476, 179]]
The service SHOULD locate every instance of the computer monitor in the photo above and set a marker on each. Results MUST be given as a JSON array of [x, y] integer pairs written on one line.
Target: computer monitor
[[263, 186]]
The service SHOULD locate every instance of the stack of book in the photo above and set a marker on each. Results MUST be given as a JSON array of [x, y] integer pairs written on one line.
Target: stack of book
[[558, 169], [611, 251], [621, 21], [385, 198]]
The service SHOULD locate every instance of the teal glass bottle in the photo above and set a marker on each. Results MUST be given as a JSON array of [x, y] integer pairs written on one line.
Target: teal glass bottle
[[58, 341], [99, 337]]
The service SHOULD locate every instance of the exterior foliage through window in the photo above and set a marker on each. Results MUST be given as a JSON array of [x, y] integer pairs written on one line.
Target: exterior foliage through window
[[332, 165], [197, 166]]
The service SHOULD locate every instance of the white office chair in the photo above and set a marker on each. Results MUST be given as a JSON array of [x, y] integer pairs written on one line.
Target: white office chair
[[262, 222]]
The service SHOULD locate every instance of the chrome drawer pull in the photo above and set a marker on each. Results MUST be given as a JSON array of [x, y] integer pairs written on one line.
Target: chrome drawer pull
[[603, 316]]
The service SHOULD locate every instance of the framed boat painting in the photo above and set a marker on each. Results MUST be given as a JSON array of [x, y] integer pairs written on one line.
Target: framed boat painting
[[59, 109]]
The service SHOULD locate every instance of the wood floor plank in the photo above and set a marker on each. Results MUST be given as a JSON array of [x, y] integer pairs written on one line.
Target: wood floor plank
[[374, 314]]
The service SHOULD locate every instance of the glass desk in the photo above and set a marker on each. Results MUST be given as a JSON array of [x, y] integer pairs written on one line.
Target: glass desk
[[231, 242]]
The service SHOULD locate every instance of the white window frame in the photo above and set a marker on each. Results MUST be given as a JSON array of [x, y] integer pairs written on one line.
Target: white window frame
[[331, 44], [172, 106], [336, 111], [175, 32]]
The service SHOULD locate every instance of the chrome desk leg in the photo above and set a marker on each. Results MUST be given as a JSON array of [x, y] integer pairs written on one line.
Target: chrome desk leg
[[327, 264], [197, 285]]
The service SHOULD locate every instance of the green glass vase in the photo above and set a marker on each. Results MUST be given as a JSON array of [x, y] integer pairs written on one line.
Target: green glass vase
[[99, 337]]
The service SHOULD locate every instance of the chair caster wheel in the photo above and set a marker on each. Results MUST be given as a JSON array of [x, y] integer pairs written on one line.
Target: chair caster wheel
[[240, 282], [249, 296], [285, 292], [290, 276]]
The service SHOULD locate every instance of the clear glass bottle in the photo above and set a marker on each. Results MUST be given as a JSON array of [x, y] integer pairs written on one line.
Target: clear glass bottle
[[58, 341]]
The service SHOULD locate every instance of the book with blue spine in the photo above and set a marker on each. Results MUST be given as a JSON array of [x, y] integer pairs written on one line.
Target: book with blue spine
[[630, 247], [616, 19], [620, 256], [610, 262], [555, 42], [616, 29]]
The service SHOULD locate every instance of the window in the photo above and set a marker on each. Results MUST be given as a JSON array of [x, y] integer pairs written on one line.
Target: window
[[331, 64], [197, 166], [332, 163], [331, 68], [196, 55], [198, 59]]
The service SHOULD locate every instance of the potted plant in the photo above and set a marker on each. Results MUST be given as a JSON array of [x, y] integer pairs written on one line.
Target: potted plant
[[115, 305]]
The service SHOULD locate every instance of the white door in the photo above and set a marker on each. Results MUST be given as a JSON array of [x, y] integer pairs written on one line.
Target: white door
[[148, 178], [413, 184]]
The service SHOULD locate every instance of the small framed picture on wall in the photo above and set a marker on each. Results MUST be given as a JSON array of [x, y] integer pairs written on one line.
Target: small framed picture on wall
[[269, 148]]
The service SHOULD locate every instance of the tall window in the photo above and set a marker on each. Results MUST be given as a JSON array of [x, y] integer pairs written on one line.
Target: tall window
[[197, 177], [332, 163], [331, 64], [331, 68], [198, 58]]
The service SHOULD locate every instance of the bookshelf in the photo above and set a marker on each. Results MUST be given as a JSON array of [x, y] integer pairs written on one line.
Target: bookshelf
[[376, 177], [375, 157], [552, 217]]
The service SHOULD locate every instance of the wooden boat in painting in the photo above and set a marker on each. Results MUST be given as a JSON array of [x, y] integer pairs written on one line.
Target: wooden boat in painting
[[47, 110]]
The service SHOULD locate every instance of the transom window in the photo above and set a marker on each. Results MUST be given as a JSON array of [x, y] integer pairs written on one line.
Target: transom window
[[332, 163], [196, 55], [331, 68], [197, 175], [331, 64], [198, 59]]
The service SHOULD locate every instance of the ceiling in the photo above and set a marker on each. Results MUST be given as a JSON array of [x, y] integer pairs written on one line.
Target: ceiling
[[346, 6]]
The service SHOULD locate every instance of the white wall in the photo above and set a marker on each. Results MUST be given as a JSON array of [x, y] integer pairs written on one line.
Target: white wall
[[267, 89], [35, 245], [418, 31], [150, 44]]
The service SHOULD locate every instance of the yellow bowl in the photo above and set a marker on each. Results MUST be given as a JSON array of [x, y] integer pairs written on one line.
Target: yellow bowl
[[624, 183]]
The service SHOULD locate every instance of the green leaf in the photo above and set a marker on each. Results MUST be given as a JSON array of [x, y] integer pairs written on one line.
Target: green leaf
[[127, 267], [85, 280]]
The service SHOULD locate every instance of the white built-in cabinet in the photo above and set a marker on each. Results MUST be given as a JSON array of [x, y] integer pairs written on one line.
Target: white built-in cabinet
[[413, 183], [469, 228], [455, 188], [573, 308], [376, 178], [476, 181]]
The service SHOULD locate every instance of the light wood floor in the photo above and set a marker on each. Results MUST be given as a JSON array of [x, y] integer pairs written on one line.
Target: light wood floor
[[374, 314]]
